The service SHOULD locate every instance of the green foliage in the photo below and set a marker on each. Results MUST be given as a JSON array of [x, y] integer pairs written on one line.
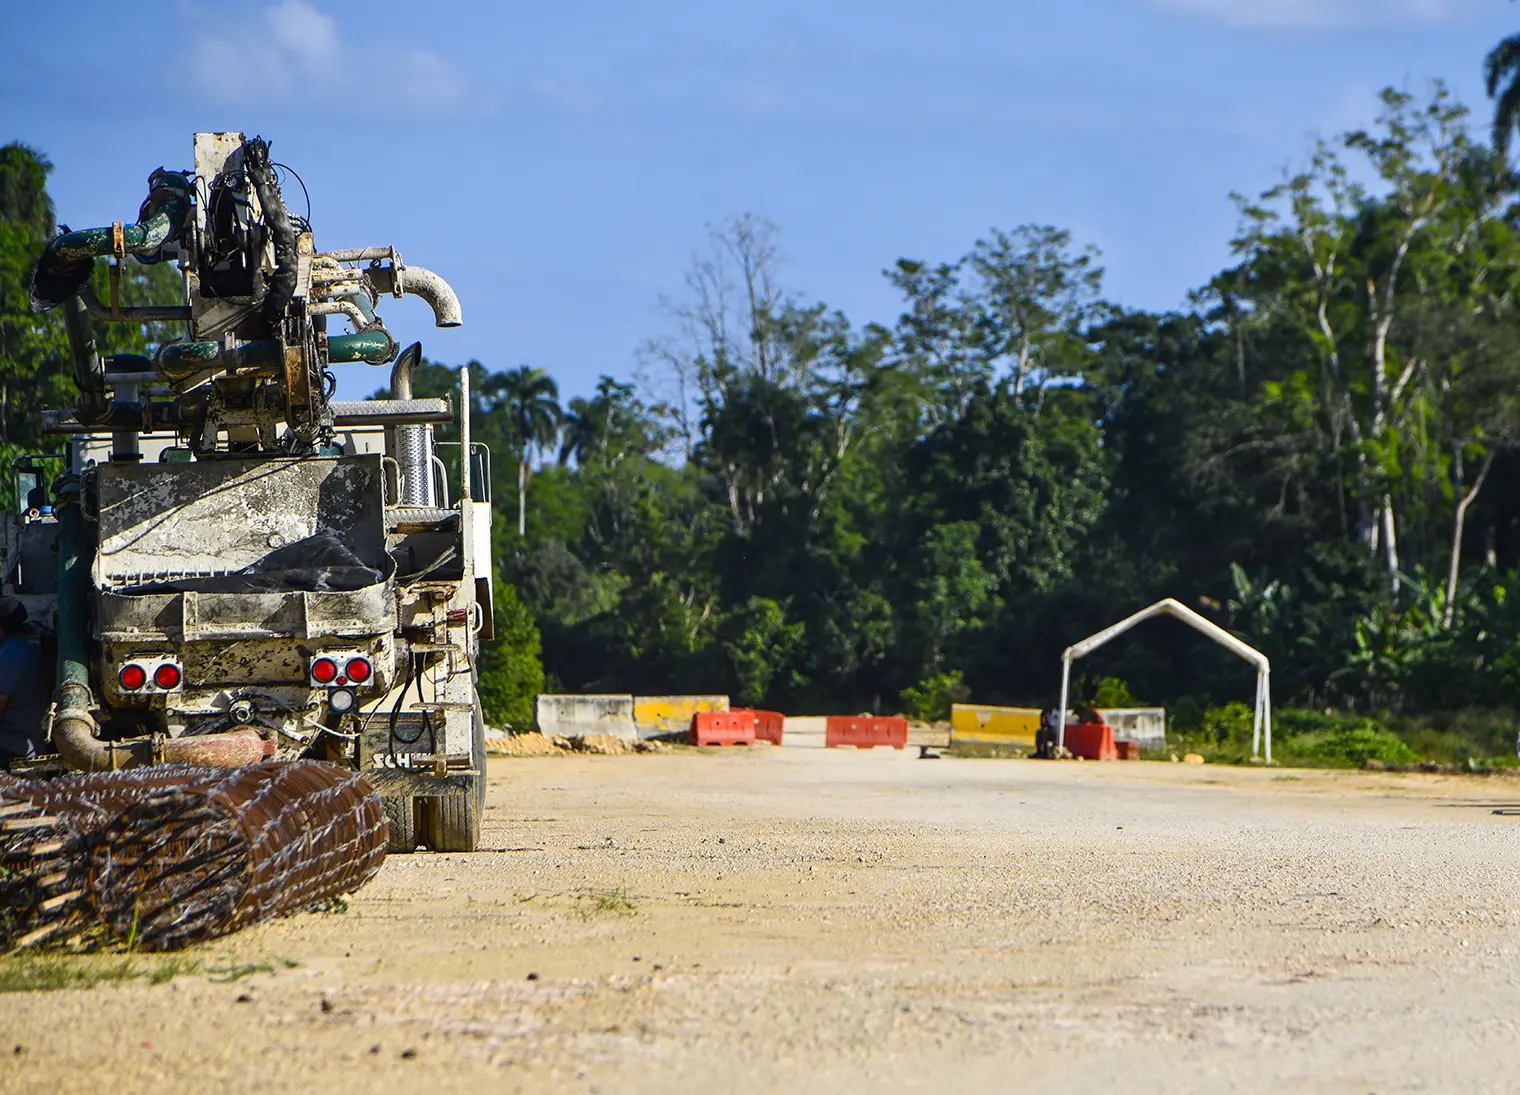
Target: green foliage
[[1232, 723], [49, 972], [511, 669], [1354, 745], [34, 361], [1113, 692], [1320, 453], [760, 646], [930, 700]]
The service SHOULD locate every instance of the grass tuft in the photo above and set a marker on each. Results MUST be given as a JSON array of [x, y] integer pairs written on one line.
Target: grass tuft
[[51, 972], [228, 971], [617, 901]]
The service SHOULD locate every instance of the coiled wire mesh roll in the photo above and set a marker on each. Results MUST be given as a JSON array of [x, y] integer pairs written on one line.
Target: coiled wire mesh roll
[[168, 856]]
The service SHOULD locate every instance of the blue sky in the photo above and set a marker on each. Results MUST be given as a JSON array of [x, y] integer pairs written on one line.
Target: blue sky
[[558, 163]]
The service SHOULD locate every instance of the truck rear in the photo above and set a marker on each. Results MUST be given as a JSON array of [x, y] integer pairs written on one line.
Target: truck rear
[[229, 563]]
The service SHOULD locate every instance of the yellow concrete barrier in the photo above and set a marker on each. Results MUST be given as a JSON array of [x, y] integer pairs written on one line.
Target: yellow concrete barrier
[[654, 715], [978, 724]]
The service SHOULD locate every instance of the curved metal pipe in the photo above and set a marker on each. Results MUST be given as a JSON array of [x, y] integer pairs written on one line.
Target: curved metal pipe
[[439, 295], [74, 738], [346, 308], [374, 345], [66, 263], [421, 282], [366, 306], [401, 372]]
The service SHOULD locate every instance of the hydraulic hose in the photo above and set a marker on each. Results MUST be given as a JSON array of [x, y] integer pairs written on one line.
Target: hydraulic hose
[[89, 369], [282, 283]]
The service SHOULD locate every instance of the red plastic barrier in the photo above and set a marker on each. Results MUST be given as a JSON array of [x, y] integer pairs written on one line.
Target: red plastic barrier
[[1128, 750], [768, 726], [723, 728], [866, 731], [1092, 740]]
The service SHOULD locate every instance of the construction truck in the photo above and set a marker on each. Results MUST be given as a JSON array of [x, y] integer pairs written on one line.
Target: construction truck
[[231, 564]]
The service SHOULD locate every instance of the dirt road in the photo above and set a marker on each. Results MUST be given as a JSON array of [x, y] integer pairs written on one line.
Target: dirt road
[[805, 921]]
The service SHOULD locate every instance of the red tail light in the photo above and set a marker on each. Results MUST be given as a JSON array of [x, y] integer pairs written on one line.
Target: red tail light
[[132, 677], [324, 671], [358, 670], [166, 676]]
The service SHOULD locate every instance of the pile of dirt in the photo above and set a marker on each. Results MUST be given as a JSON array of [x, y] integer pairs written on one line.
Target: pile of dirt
[[520, 745], [601, 745], [538, 745], [609, 745]]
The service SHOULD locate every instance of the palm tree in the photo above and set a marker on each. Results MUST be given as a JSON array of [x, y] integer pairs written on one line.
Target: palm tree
[[1502, 65], [529, 399], [584, 429], [609, 427]]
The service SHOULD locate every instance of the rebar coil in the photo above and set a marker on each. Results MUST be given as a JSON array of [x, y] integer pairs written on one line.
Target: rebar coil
[[170, 856]]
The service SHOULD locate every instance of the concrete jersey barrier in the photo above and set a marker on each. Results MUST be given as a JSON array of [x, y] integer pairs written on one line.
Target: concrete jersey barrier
[[656, 715], [1146, 725], [580, 716], [980, 724]]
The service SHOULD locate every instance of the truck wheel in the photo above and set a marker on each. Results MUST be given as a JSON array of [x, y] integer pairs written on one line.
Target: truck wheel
[[452, 823], [401, 814]]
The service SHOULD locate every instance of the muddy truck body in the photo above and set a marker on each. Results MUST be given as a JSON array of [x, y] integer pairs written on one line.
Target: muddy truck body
[[229, 563]]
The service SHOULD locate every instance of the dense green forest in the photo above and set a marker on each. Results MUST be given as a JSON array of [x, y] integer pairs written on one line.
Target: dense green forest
[[1319, 452]]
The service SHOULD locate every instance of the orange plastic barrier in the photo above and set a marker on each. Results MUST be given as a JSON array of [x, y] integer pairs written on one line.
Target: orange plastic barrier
[[723, 728], [1127, 750], [768, 726], [865, 731], [1092, 740]]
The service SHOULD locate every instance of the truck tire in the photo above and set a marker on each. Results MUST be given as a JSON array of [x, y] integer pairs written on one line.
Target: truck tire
[[451, 823], [401, 814]]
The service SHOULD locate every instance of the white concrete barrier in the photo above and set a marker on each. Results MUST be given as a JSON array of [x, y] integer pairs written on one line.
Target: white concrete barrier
[[1147, 725], [579, 716]]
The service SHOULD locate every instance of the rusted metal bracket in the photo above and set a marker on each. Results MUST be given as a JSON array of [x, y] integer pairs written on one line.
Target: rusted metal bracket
[[118, 257]]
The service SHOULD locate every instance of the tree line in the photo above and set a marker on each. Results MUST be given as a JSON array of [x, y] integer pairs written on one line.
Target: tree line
[[1319, 452]]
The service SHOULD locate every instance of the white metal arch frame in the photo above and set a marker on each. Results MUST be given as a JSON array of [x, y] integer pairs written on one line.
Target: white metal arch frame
[[1171, 607]]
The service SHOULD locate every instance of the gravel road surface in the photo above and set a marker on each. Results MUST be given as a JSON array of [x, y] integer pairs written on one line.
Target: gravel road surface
[[809, 921]]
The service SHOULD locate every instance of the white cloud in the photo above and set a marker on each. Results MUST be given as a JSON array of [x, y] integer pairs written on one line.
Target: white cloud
[[279, 53], [1319, 14]]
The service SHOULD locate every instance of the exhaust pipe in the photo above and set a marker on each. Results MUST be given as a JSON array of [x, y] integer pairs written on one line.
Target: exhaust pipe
[[414, 444]]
